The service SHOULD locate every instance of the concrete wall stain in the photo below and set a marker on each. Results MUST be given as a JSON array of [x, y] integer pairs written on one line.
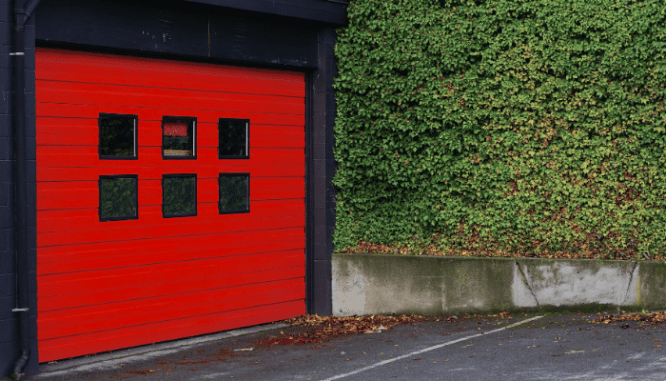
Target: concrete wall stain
[[367, 284]]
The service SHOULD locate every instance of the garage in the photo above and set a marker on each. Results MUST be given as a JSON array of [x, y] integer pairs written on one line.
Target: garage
[[170, 199], [165, 171]]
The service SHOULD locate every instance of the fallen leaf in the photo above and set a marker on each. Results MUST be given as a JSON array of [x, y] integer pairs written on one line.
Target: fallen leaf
[[657, 346], [652, 318], [326, 328]]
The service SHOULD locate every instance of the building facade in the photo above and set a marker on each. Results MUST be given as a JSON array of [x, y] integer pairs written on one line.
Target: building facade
[[165, 170]]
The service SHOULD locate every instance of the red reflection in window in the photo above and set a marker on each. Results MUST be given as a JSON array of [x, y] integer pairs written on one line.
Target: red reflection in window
[[175, 128]]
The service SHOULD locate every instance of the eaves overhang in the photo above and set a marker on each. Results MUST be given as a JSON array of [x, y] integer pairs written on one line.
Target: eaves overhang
[[328, 11]]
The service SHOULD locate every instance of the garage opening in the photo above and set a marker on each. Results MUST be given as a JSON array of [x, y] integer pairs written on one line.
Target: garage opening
[[170, 199]]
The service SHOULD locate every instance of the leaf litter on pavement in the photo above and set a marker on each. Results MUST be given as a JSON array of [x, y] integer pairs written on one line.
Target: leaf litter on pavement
[[322, 329], [652, 318], [326, 328]]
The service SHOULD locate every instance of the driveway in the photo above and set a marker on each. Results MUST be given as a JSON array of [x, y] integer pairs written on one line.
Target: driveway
[[518, 347]]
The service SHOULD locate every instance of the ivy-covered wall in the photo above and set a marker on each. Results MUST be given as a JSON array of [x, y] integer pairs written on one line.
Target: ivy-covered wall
[[502, 127]]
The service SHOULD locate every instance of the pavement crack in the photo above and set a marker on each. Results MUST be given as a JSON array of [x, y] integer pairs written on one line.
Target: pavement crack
[[529, 287]]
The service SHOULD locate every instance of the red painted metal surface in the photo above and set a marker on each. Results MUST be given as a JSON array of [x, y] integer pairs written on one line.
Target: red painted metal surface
[[117, 284]]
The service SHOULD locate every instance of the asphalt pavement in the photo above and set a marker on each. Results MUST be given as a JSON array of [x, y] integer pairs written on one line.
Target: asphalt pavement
[[524, 347]]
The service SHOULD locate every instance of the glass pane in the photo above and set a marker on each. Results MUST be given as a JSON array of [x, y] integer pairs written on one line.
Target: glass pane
[[233, 137], [118, 198], [116, 135], [234, 195], [179, 195], [178, 136]]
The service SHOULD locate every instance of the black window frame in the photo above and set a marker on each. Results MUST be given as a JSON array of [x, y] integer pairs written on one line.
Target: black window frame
[[219, 190], [182, 175], [99, 136], [99, 197], [247, 140], [194, 137]]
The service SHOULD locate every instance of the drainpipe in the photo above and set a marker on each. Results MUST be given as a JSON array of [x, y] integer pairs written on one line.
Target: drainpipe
[[21, 16]]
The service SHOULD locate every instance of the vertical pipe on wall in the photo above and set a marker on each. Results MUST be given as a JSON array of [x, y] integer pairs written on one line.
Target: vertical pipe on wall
[[21, 16]]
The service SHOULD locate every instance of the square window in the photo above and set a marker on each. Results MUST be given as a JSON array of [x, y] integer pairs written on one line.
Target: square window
[[117, 136], [179, 137], [179, 195], [118, 197], [234, 138], [234, 193]]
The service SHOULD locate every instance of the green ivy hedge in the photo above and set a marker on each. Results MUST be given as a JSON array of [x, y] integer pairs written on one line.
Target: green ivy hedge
[[502, 127]]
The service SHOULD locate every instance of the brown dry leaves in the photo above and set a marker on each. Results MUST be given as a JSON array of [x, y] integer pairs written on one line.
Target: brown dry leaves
[[326, 328], [651, 318], [476, 250], [353, 324], [330, 327]]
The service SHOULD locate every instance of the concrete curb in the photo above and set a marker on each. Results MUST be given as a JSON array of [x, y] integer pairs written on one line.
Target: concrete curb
[[380, 284]]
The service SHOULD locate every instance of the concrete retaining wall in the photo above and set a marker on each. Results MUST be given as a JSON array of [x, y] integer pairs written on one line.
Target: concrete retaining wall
[[379, 284]]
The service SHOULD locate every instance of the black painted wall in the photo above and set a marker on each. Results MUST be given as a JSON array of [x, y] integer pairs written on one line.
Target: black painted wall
[[323, 169], [9, 346], [291, 34], [332, 11], [184, 29], [8, 324]]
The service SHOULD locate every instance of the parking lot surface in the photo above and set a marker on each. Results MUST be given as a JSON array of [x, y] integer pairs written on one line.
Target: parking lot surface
[[514, 347]]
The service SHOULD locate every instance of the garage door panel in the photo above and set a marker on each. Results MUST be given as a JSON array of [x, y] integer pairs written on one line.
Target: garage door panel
[[176, 306], [105, 95], [142, 77], [92, 298], [83, 174], [85, 223], [267, 140], [56, 189], [78, 156], [63, 110], [156, 273], [152, 216], [157, 245], [139, 232], [50, 57], [182, 307], [139, 258], [132, 336], [80, 220], [69, 132], [54, 125], [150, 192], [116, 284], [71, 196]]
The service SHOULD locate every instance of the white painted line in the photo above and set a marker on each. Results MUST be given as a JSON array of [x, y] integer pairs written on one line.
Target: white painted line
[[430, 349]]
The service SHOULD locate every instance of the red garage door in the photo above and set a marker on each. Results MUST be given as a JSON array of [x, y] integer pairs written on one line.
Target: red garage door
[[170, 199]]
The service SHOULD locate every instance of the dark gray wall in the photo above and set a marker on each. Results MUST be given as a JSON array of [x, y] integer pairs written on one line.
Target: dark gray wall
[[8, 322], [323, 169], [332, 11], [9, 346], [184, 29]]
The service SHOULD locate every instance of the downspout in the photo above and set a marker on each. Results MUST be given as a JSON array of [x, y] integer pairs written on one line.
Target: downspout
[[21, 17]]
